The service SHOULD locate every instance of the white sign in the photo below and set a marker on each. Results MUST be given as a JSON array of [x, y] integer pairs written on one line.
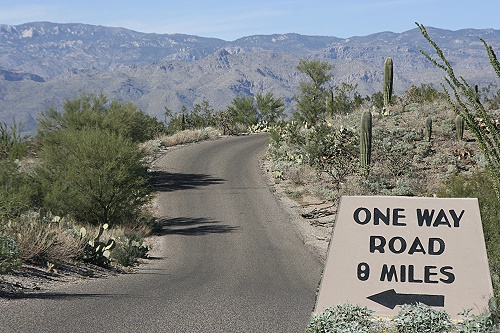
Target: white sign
[[390, 251]]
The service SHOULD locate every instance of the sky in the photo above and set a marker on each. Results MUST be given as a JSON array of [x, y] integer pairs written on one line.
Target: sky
[[233, 19]]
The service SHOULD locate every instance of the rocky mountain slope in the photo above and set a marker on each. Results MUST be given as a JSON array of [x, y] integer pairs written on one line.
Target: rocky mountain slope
[[42, 64]]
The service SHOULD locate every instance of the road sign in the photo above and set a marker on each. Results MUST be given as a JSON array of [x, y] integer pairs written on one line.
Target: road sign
[[390, 251]]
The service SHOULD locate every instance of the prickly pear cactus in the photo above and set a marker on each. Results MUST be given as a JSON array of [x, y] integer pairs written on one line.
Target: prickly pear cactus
[[96, 251]]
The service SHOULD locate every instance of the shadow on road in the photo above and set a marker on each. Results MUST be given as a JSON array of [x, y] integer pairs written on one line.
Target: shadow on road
[[193, 226], [170, 181], [47, 295]]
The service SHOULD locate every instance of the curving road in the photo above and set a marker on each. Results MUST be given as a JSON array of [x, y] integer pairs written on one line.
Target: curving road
[[230, 261]]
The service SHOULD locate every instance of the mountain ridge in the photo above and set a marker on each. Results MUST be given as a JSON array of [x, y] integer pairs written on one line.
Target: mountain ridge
[[44, 63]]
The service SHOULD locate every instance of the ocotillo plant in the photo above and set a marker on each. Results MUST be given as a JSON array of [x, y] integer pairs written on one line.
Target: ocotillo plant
[[428, 128], [388, 81], [463, 99], [459, 125], [365, 141]]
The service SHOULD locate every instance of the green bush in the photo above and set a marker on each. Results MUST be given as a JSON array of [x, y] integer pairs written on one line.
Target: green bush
[[424, 93], [344, 318], [91, 111], [17, 190], [94, 175], [474, 186], [418, 318], [411, 318], [243, 111], [12, 143], [311, 102], [9, 253]]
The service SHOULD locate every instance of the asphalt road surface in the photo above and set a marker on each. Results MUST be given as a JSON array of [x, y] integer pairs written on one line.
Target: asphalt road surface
[[230, 261]]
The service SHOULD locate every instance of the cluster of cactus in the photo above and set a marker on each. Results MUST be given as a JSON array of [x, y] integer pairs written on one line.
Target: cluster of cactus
[[95, 250], [388, 81], [365, 140]]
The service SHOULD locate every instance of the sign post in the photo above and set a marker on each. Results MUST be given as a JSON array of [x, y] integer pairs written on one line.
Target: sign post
[[390, 251]]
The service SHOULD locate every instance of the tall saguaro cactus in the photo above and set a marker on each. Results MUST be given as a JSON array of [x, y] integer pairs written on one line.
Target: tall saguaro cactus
[[388, 81], [365, 141], [428, 128]]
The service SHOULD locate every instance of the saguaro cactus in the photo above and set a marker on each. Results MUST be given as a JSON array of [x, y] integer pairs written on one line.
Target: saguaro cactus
[[365, 140], [388, 81], [428, 128], [329, 102], [459, 125]]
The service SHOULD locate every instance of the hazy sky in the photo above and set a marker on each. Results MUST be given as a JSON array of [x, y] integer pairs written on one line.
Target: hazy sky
[[231, 20]]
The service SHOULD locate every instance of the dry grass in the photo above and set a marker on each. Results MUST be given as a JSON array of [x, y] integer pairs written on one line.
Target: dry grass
[[188, 136], [42, 241]]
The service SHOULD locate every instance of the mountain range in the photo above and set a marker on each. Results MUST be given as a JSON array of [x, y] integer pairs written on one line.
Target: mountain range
[[42, 64]]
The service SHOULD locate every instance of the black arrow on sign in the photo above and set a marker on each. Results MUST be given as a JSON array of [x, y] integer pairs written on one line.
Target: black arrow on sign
[[390, 298]]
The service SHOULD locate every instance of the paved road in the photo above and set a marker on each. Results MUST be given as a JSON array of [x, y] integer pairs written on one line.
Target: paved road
[[230, 262]]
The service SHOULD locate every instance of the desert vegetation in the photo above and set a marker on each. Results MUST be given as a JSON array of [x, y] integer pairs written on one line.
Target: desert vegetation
[[425, 142], [80, 177], [79, 189]]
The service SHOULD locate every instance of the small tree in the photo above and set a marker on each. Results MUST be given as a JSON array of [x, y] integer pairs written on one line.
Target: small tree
[[343, 99], [271, 109], [89, 110], [467, 104], [244, 111], [311, 103], [95, 175]]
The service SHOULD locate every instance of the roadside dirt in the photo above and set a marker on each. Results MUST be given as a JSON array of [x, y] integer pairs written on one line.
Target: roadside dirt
[[313, 218]]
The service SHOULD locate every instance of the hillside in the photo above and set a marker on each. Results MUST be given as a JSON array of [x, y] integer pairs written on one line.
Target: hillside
[[42, 64]]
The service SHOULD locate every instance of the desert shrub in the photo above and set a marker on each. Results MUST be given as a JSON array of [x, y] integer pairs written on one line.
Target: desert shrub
[[475, 185], [9, 253], [417, 318], [344, 318], [411, 318], [12, 144], [471, 323], [202, 115], [377, 100], [188, 136], [129, 247], [40, 240], [94, 175], [424, 93], [332, 151], [243, 110], [271, 109], [310, 107], [465, 101], [343, 99], [17, 190], [89, 110], [326, 148]]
